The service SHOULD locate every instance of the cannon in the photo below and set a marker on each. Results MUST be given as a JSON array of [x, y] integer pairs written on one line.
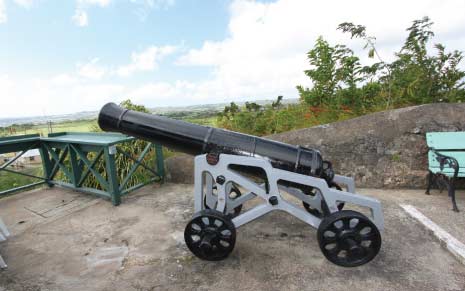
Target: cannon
[[233, 168]]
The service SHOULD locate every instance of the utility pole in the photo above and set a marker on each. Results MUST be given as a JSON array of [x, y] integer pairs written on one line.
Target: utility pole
[[49, 126]]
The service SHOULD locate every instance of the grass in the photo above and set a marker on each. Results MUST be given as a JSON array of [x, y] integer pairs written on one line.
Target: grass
[[10, 180], [205, 121], [89, 125]]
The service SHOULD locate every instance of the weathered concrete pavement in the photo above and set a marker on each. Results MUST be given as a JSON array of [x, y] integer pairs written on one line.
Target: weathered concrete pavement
[[62, 240]]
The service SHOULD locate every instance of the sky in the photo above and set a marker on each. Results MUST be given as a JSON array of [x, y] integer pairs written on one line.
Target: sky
[[66, 56]]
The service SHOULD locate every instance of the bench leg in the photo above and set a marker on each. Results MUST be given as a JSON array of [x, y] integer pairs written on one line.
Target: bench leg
[[451, 192], [430, 182], [2, 263]]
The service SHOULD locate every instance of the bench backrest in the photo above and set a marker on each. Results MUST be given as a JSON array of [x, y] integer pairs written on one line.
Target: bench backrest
[[450, 144]]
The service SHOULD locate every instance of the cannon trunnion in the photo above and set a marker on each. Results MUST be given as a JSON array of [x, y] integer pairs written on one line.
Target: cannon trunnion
[[233, 168]]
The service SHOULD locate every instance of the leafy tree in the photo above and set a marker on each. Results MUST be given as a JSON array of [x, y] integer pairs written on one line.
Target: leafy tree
[[131, 106], [323, 58], [421, 78], [252, 106], [335, 73], [278, 103]]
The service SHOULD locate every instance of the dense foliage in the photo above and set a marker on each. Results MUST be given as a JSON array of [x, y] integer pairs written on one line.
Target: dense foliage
[[343, 87]]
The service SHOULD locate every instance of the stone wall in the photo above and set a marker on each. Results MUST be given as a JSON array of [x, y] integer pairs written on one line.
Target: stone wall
[[384, 149]]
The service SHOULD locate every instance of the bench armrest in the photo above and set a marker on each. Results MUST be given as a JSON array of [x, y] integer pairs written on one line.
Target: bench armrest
[[446, 160]]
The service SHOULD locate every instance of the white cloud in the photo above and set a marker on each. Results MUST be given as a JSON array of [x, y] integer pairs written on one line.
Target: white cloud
[[56, 95], [80, 18], [25, 3], [63, 80], [3, 17], [91, 69], [144, 7], [147, 60], [265, 53], [101, 3], [158, 4]]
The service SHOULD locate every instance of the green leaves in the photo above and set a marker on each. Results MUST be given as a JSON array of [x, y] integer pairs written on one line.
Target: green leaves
[[356, 31], [413, 77], [131, 106], [371, 53], [334, 69]]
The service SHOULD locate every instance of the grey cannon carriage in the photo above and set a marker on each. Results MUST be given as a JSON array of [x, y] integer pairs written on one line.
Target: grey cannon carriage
[[233, 168]]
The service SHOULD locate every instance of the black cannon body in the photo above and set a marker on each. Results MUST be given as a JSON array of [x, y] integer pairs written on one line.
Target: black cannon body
[[196, 139]]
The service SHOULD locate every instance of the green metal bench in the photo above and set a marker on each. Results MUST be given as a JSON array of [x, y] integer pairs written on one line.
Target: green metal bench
[[446, 159]]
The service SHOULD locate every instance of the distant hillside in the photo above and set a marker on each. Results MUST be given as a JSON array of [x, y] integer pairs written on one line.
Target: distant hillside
[[44, 119], [195, 111]]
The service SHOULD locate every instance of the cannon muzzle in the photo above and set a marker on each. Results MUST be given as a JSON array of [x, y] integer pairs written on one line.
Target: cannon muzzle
[[196, 139]]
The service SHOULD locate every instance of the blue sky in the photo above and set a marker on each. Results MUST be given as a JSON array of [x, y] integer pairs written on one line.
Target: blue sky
[[43, 34], [75, 55]]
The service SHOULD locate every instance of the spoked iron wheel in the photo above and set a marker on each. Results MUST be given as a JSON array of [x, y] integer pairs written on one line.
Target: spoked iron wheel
[[348, 238], [324, 206], [210, 235], [233, 194]]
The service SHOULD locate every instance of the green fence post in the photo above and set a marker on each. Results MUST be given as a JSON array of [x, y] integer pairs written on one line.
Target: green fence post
[[75, 169], [46, 164], [112, 176], [160, 162]]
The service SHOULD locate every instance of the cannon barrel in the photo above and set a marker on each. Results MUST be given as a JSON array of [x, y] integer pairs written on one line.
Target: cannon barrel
[[196, 139]]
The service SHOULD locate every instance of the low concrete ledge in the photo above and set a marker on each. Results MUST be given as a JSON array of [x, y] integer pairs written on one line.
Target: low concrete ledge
[[454, 246], [180, 169], [380, 150]]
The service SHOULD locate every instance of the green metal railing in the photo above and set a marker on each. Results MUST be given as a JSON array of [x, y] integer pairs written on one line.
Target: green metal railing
[[74, 160]]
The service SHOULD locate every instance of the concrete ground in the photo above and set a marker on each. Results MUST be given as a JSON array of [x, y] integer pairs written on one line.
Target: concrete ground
[[63, 240]]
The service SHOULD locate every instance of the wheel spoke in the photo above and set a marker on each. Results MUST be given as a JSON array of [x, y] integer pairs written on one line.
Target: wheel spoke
[[369, 236], [333, 228], [195, 242], [329, 240], [346, 223], [334, 251], [195, 231], [360, 225], [221, 247], [352, 256], [222, 228], [368, 251], [225, 236]]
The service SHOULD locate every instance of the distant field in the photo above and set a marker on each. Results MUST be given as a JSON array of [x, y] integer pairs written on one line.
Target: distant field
[[43, 129], [207, 118], [207, 121]]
